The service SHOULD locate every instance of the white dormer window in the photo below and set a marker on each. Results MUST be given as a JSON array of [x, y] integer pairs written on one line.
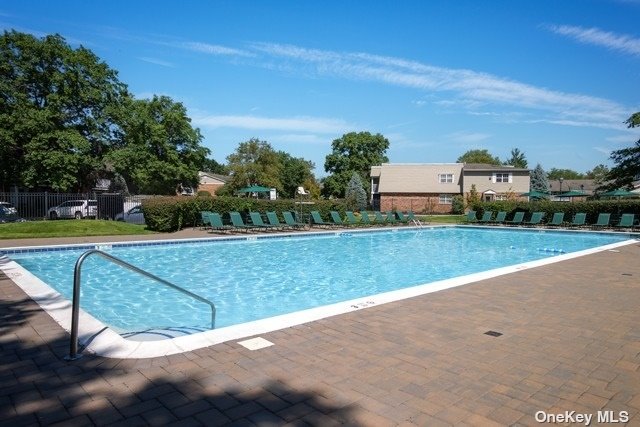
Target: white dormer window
[[502, 177], [445, 178]]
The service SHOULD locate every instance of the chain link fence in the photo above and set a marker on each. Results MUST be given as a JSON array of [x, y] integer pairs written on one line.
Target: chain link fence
[[17, 206]]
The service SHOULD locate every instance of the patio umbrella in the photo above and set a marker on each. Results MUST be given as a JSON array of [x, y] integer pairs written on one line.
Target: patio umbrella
[[535, 194], [254, 189], [618, 193]]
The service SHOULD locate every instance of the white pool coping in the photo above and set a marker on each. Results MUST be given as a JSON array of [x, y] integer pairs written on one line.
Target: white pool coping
[[101, 340]]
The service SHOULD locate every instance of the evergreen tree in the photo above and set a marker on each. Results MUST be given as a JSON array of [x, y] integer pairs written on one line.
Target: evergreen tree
[[517, 159], [539, 181], [473, 198], [355, 192]]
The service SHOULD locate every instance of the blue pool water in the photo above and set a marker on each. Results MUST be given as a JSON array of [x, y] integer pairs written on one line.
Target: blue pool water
[[255, 279]]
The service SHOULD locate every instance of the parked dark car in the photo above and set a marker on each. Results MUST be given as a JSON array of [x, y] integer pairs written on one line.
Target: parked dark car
[[8, 213]]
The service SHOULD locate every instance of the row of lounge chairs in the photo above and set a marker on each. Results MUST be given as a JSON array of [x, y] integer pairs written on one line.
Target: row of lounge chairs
[[376, 219], [213, 221], [626, 221]]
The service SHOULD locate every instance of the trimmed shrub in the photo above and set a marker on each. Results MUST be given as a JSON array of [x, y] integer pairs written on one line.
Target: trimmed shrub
[[591, 207], [167, 214]]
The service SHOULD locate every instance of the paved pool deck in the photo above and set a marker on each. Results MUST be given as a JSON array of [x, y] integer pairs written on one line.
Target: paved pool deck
[[570, 342]]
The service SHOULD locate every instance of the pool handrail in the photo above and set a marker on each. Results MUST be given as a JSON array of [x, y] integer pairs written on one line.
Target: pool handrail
[[75, 307]]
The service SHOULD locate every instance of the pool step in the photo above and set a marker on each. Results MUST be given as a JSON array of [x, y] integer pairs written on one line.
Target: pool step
[[155, 334]]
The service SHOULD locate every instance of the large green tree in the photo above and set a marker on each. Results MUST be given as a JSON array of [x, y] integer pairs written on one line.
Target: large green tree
[[598, 173], [156, 149], [254, 162], [57, 107], [66, 120], [353, 152], [294, 172], [479, 156], [555, 174], [627, 162], [517, 159], [213, 166]]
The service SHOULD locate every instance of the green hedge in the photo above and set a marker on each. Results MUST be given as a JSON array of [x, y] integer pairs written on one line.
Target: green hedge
[[168, 214], [591, 208]]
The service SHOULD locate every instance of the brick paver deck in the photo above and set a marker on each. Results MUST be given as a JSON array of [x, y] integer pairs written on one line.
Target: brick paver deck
[[571, 342]]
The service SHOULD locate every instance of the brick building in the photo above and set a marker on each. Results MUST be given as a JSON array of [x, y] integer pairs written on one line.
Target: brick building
[[430, 187], [210, 182]]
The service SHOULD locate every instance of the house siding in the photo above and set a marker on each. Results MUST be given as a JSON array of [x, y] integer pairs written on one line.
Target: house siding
[[417, 187], [483, 182]]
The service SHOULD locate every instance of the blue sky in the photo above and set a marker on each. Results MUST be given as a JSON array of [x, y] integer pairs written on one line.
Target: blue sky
[[555, 79]]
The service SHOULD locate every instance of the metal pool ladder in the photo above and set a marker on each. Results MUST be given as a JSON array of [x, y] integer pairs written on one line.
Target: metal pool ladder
[[75, 310]]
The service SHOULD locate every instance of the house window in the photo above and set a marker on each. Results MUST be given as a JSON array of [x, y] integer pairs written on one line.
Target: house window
[[445, 199], [445, 178], [501, 197], [502, 177]]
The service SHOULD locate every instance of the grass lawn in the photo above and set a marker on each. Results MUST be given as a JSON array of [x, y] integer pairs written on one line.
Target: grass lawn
[[69, 228], [443, 219]]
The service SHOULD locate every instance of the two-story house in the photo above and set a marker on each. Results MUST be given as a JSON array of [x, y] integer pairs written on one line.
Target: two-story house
[[430, 187]]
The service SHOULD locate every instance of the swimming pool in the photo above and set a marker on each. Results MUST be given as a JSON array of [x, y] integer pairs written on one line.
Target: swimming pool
[[252, 278]]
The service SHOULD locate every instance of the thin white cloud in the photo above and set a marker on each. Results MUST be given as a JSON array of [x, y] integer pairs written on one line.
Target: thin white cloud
[[622, 139], [157, 61], [605, 151], [595, 36], [302, 138], [467, 137], [472, 88], [289, 124], [212, 49]]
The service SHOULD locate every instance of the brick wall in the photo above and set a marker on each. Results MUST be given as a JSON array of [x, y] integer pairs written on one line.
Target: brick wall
[[211, 188], [422, 203]]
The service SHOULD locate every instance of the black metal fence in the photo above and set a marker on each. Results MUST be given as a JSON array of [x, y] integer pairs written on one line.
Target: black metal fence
[[52, 206]]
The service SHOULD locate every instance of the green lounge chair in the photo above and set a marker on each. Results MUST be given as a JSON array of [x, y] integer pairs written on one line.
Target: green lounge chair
[[412, 218], [352, 220], [238, 223], [204, 216], [500, 217], [471, 217], [256, 219], [273, 219], [579, 220], [364, 218], [603, 221], [535, 219], [215, 221], [316, 219], [291, 220], [486, 217], [516, 220], [379, 218], [391, 217], [557, 220], [337, 220], [626, 221], [402, 218]]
